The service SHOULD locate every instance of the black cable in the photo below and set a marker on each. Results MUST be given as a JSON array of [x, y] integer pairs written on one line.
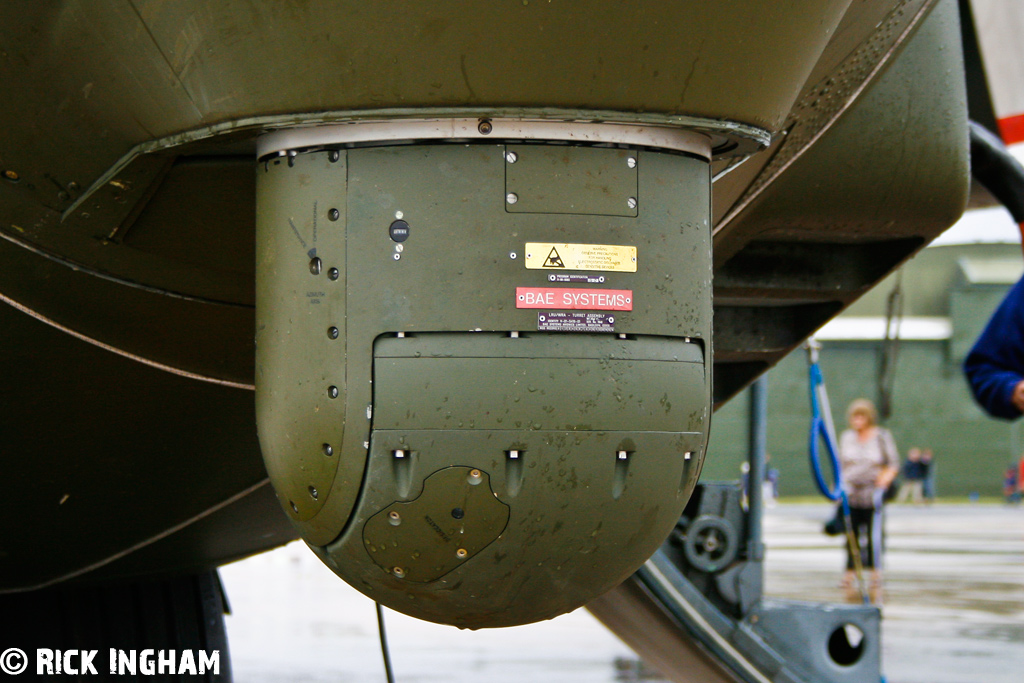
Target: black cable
[[384, 644], [994, 167]]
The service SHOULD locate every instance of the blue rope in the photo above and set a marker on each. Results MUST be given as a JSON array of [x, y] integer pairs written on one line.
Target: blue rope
[[819, 433]]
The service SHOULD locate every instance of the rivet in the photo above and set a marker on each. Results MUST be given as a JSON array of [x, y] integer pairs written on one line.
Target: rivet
[[11, 176], [333, 273], [398, 572], [511, 198], [332, 332], [334, 214], [474, 477], [328, 449], [333, 155], [512, 255], [461, 553], [398, 256], [631, 162], [631, 202], [511, 157], [332, 391], [458, 513], [394, 518], [314, 265], [485, 127], [399, 248], [399, 215]]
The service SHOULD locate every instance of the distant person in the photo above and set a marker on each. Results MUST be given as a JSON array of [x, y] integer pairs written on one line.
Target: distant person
[[928, 481], [913, 478], [869, 463], [1011, 488], [995, 365]]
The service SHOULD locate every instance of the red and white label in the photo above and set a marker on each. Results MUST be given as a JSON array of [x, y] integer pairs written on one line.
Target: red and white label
[[575, 299]]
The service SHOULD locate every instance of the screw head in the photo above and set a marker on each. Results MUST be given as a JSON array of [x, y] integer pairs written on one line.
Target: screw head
[[485, 127], [314, 265], [399, 248], [333, 155], [11, 175], [398, 572], [512, 255], [397, 256], [511, 198], [631, 202], [334, 214], [461, 553], [332, 391], [511, 157], [332, 332], [631, 162], [333, 273], [328, 449]]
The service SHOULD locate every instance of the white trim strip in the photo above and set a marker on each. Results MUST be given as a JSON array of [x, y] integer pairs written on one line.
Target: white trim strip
[[357, 132]]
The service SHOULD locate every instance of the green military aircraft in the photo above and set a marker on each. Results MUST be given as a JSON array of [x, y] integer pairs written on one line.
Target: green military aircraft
[[447, 289]]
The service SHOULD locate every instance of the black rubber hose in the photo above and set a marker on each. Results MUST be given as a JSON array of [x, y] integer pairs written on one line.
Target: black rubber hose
[[993, 166]]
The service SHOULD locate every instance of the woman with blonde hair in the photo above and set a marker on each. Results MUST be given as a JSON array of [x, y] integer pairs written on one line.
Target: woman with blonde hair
[[869, 463]]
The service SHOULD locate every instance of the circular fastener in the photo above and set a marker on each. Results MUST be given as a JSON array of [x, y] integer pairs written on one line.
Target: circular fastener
[[511, 198], [332, 391], [313, 492], [511, 157], [334, 214], [631, 202], [397, 256], [328, 449], [512, 255], [485, 127], [399, 248], [458, 513], [399, 215], [711, 543], [11, 176], [332, 332], [315, 265], [398, 572], [394, 518], [475, 477], [461, 553], [399, 231], [333, 155], [333, 273], [631, 162]]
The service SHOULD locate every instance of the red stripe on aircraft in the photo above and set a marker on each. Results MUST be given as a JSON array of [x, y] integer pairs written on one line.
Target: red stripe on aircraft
[[1012, 129]]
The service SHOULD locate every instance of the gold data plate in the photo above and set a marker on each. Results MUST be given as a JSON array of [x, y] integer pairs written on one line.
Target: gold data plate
[[607, 257]]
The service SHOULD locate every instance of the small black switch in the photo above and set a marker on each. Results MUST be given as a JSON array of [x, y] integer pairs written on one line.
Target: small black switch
[[399, 231]]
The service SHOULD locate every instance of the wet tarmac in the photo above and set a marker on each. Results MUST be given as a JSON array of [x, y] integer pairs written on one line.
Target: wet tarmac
[[954, 586], [953, 613]]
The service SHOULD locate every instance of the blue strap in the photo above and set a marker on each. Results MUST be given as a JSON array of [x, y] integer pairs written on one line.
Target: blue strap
[[819, 433]]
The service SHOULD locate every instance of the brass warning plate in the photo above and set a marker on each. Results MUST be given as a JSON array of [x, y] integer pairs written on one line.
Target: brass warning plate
[[554, 257]]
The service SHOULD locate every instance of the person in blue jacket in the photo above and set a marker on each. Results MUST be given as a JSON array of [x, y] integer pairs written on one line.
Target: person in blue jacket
[[995, 365]]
